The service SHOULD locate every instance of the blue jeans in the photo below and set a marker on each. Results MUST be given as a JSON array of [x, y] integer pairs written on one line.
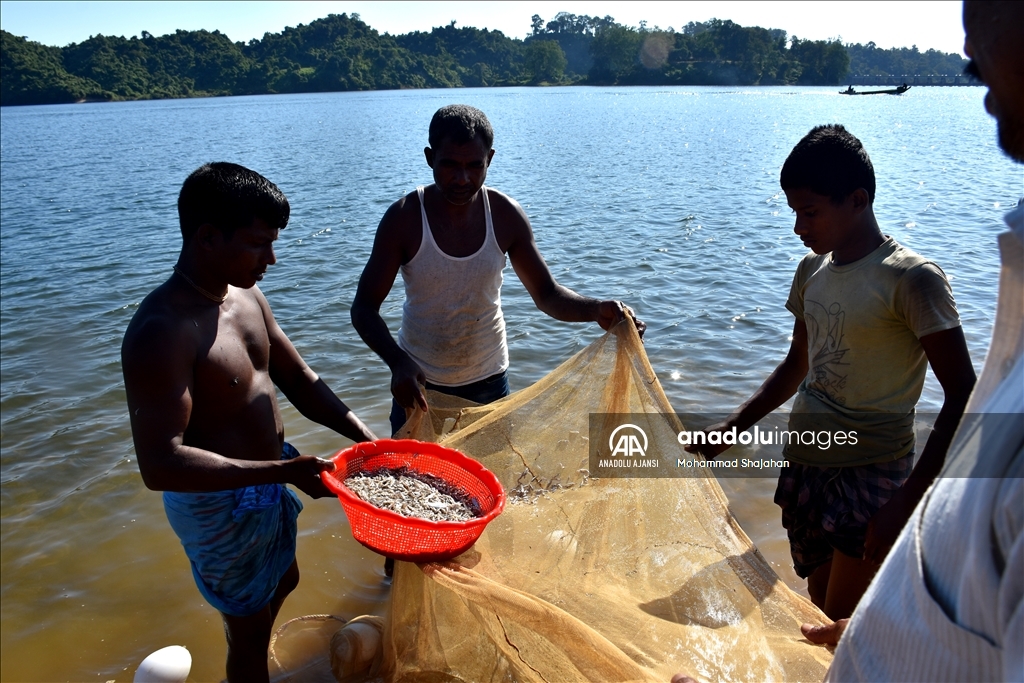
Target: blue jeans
[[487, 390]]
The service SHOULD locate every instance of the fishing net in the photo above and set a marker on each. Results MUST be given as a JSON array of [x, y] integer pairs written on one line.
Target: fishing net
[[584, 579]]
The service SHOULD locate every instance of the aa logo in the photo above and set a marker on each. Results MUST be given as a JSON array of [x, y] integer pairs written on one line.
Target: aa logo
[[628, 445]]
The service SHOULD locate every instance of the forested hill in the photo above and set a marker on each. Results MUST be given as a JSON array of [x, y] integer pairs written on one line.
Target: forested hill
[[341, 52]]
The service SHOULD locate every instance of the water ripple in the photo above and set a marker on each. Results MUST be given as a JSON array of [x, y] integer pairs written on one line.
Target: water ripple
[[667, 198]]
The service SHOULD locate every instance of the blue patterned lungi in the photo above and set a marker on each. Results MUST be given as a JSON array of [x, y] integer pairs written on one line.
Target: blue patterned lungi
[[240, 542]]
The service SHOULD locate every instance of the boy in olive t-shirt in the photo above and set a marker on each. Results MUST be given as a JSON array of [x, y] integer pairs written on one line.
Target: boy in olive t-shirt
[[870, 315]]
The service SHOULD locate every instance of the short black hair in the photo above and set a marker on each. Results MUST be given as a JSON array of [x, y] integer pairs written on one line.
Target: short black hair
[[829, 161], [229, 196], [460, 123]]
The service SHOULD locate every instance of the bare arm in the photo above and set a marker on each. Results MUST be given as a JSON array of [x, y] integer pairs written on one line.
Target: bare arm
[[307, 392], [374, 284], [947, 354], [776, 390], [158, 358], [550, 297]]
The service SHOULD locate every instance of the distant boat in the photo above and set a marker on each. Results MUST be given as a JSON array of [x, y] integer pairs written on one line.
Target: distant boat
[[889, 91]]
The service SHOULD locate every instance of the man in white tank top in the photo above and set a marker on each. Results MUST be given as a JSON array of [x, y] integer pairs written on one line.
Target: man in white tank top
[[449, 240]]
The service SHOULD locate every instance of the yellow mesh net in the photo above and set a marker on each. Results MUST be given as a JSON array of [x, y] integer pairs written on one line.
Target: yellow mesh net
[[584, 579]]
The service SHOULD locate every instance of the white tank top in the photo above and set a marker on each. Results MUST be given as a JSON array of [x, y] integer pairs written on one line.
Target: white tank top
[[451, 322]]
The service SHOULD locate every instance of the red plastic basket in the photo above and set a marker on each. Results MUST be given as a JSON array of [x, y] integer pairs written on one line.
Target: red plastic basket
[[410, 538]]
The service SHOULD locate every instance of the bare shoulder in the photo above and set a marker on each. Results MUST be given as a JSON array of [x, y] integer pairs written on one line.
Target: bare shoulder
[[511, 224], [399, 230], [161, 329], [253, 294], [255, 298], [503, 206], [403, 215]]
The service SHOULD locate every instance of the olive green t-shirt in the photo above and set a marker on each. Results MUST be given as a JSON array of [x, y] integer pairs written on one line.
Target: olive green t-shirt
[[866, 365]]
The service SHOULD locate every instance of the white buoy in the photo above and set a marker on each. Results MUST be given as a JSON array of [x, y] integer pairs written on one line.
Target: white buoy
[[166, 665], [357, 647]]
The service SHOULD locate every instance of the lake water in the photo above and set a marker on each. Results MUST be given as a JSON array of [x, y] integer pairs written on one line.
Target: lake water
[[667, 198]]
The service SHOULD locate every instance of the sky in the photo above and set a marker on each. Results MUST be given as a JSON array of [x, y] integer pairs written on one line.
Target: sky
[[928, 24]]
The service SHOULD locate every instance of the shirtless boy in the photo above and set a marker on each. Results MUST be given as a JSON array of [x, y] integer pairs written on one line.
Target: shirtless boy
[[870, 315], [450, 240], [201, 358]]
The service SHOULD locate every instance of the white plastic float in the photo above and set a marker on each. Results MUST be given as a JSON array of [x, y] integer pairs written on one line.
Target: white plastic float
[[166, 665]]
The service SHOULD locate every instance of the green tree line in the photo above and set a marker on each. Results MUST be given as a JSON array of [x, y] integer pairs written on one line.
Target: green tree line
[[341, 52], [870, 60]]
